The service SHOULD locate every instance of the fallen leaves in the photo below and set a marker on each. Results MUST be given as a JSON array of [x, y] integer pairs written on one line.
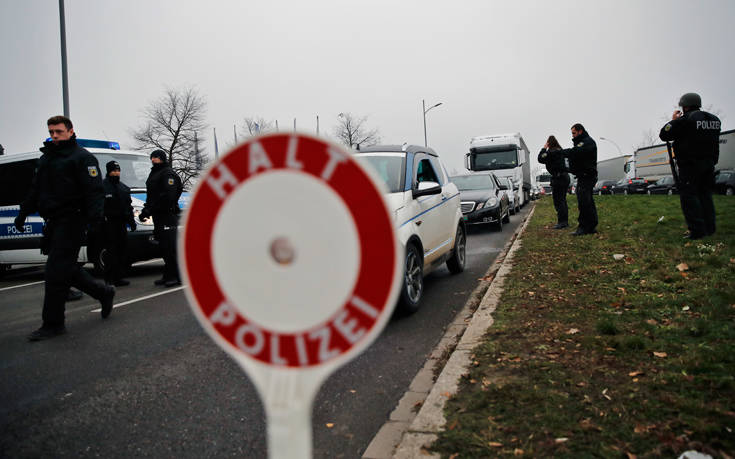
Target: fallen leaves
[[660, 354], [618, 256], [495, 444], [682, 267], [604, 394], [561, 440], [572, 331], [633, 374]]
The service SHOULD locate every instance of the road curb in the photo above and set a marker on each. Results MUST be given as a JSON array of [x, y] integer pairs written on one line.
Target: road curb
[[407, 434]]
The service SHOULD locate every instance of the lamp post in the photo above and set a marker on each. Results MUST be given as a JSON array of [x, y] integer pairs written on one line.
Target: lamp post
[[64, 73], [612, 142], [426, 110]]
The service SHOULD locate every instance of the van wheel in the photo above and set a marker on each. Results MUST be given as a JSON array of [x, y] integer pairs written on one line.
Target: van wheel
[[456, 262], [4, 269], [413, 280]]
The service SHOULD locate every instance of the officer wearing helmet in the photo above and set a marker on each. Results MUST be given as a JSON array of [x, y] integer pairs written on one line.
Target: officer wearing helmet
[[696, 136], [162, 203]]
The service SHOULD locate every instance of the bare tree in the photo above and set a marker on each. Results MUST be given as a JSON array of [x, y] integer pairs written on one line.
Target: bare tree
[[252, 126], [648, 139], [353, 131], [174, 123]]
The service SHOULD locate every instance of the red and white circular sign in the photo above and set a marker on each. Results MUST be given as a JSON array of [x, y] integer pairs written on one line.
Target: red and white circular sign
[[289, 253]]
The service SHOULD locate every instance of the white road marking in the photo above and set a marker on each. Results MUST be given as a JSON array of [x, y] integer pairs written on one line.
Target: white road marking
[[135, 300], [21, 285]]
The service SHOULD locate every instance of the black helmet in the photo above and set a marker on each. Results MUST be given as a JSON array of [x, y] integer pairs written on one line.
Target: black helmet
[[112, 166], [690, 99]]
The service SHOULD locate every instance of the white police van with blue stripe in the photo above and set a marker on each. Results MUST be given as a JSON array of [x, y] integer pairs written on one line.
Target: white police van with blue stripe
[[426, 211], [16, 174]]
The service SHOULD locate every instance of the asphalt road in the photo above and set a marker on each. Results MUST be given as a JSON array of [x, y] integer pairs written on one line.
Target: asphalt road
[[147, 382]]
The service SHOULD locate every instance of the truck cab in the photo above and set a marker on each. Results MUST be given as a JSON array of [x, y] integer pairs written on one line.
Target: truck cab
[[507, 156]]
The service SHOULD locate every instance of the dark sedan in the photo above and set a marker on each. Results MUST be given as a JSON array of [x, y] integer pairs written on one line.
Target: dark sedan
[[631, 186], [482, 199], [603, 187], [725, 182], [665, 185]]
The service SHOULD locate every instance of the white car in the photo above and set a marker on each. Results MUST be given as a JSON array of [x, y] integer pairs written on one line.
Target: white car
[[426, 211]]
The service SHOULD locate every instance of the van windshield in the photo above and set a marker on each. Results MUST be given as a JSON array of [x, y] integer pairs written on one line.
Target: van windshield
[[134, 169]]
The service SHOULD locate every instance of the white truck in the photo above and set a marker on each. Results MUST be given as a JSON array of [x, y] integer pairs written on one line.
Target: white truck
[[507, 156], [652, 163], [613, 168]]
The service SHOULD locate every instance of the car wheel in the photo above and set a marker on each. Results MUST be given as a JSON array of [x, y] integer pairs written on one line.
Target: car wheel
[[729, 191], [599, 193], [499, 224], [625, 192], [671, 192], [413, 280], [506, 219], [456, 262], [648, 192]]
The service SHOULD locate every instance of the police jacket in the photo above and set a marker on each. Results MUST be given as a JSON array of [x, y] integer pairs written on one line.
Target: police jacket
[[582, 156], [696, 136], [67, 183], [553, 160], [164, 188], [118, 205]]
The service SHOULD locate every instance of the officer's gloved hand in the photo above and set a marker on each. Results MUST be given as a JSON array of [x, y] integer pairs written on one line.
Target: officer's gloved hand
[[19, 222]]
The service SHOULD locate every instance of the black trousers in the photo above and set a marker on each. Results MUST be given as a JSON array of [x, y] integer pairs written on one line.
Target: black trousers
[[696, 180], [63, 240], [586, 203], [165, 230], [559, 187], [116, 242]]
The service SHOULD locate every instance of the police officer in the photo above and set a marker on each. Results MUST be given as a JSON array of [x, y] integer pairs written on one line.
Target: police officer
[[118, 216], [67, 193], [696, 136], [551, 156], [162, 203], [583, 164]]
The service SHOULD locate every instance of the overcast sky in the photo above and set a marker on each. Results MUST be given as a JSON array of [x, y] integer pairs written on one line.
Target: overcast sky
[[534, 67]]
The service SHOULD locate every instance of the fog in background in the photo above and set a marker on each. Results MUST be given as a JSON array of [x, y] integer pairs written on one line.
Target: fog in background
[[534, 67]]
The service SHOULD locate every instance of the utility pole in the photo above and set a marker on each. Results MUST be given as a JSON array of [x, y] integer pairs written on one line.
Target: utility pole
[[64, 71], [234, 133], [294, 124], [317, 125]]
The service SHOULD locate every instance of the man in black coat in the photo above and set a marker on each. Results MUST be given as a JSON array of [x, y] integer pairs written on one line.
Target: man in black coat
[[162, 203], [696, 136], [118, 216], [583, 164], [67, 192]]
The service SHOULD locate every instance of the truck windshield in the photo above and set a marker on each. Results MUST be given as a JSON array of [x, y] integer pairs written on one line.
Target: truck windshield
[[504, 159]]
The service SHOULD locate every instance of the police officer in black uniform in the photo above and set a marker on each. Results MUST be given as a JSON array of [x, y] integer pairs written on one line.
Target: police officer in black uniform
[[696, 136], [67, 193], [162, 203], [551, 156], [118, 216], [583, 164]]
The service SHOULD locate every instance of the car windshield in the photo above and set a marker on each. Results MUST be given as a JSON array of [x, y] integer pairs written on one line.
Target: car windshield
[[388, 166], [473, 182], [723, 177], [134, 169], [666, 180], [544, 178]]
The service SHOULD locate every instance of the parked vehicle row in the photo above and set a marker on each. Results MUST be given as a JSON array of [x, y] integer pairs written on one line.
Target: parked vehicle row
[[724, 184]]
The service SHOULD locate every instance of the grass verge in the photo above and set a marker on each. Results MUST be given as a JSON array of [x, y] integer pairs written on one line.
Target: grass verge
[[597, 355]]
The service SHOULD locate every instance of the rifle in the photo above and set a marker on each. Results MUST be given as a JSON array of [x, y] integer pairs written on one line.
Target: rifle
[[674, 166]]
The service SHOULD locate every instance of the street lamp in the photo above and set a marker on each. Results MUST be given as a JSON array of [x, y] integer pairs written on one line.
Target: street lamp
[[426, 110], [612, 142]]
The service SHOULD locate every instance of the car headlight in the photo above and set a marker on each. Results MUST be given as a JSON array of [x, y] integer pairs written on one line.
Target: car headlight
[[136, 213], [492, 202]]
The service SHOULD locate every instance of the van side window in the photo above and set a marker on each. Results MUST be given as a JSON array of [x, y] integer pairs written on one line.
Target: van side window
[[16, 179], [425, 172]]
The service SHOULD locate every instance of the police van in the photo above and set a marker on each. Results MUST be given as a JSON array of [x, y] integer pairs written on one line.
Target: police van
[[16, 175]]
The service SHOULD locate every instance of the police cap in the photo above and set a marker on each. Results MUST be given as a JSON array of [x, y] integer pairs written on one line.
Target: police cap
[[690, 99], [160, 154], [112, 166]]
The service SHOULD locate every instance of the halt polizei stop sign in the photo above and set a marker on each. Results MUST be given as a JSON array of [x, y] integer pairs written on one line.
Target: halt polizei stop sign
[[292, 265]]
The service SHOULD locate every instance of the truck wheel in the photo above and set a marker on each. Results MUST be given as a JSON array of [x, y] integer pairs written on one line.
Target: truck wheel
[[413, 280], [456, 262]]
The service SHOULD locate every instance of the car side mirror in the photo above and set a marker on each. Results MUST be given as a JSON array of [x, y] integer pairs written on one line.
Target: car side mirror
[[426, 189]]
